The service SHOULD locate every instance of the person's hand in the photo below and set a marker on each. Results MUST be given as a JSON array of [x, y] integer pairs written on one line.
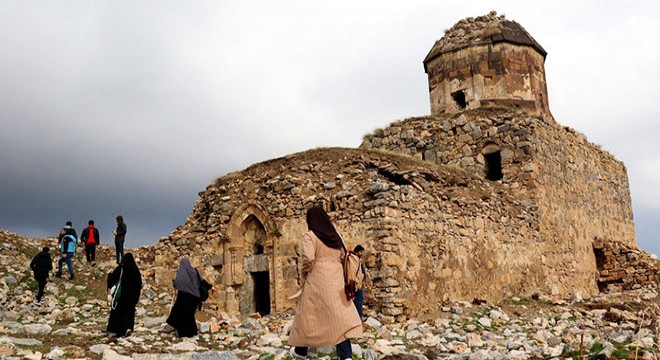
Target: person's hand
[[114, 232]]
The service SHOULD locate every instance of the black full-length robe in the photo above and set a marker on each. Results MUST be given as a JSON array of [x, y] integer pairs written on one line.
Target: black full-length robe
[[182, 316], [122, 313]]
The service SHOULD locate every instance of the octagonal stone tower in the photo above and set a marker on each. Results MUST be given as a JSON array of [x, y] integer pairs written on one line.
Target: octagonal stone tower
[[486, 61]]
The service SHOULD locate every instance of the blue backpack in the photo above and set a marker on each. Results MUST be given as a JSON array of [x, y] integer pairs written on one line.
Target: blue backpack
[[69, 244]]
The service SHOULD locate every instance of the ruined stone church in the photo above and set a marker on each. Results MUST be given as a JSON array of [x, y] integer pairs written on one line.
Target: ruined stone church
[[488, 197]]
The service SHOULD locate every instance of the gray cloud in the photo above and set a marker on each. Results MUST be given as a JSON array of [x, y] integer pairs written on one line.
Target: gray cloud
[[120, 107]]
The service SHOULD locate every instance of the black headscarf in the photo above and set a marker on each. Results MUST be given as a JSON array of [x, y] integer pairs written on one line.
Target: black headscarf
[[319, 222]]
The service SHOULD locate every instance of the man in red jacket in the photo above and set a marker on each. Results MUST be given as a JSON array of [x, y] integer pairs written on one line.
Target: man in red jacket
[[90, 237]]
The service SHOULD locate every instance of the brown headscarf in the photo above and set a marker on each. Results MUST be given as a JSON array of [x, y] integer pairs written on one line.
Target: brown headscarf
[[319, 222]]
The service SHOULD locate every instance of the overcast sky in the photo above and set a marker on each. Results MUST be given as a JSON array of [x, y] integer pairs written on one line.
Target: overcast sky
[[132, 107]]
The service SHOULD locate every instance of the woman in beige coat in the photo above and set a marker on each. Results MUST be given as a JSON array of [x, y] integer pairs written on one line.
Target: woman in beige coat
[[324, 316]]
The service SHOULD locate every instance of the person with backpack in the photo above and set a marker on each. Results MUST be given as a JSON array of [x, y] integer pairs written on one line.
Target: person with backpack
[[67, 241], [124, 285], [192, 290], [41, 265], [67, 229], [324, 315], [120, 237], [90, 238], [359, 292]]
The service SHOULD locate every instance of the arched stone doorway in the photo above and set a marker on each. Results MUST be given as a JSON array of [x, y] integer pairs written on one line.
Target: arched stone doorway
[[250, 254]]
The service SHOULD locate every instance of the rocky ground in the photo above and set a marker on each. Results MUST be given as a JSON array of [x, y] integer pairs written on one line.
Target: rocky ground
[[71, 320]]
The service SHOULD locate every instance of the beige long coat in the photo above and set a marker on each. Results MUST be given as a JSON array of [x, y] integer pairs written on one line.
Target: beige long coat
[[324, 316]]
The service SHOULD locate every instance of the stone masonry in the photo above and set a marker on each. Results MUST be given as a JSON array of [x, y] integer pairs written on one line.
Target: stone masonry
[[623, 267], [484, 61], [428, 230], [578, 192], [488, 197]]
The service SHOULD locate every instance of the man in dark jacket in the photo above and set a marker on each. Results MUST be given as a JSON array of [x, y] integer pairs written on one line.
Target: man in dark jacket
[[41, 265], [120, 236], [67, 229], [90, 237]]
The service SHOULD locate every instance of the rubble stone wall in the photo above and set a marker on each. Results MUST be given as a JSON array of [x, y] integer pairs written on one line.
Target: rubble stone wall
[[582, 194], [624, 267], [575, 190], [428, 230]]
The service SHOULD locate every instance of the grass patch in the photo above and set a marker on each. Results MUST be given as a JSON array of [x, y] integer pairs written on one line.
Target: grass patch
[[596, 348], [83, 295], [42, 348], [621, 354], [266, 356]]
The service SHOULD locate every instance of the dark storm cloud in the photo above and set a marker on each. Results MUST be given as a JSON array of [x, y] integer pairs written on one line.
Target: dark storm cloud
[[132, 108]]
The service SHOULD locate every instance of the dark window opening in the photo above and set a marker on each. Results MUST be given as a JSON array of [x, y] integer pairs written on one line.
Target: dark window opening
[[600, 264], [258, 249], [600, 259], [493, 166], [395, 178], [261, 292], [459, 98]]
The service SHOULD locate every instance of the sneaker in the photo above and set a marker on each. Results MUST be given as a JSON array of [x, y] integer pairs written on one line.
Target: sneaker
[[71, 277], [295, 355], [129, 332]]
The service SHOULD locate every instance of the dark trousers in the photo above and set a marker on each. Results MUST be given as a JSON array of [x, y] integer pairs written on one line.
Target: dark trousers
[[68, 257], [119, 251], [344, 350], [42, 284], [359, 302], [90, 252]]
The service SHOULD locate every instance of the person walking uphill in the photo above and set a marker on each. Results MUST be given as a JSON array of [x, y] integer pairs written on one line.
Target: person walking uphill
[[41, 265], [67, 229], [127, 282], [120, 236], [67, 241], [324, 316], [188, 299], [90, 237]]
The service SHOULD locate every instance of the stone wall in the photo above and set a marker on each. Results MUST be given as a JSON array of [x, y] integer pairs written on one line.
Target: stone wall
[[499, 74], [582, 193], [576, 190], [624, 267], [485, 61], [428, 229]]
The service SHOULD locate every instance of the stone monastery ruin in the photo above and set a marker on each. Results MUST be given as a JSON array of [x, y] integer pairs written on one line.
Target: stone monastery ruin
[[488, 197]]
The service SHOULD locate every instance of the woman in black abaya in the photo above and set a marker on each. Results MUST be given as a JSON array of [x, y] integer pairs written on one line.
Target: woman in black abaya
[[182, 315], [122, 313]]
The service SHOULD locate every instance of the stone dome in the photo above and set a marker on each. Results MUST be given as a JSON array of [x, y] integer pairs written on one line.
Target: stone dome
[[482, 30]]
